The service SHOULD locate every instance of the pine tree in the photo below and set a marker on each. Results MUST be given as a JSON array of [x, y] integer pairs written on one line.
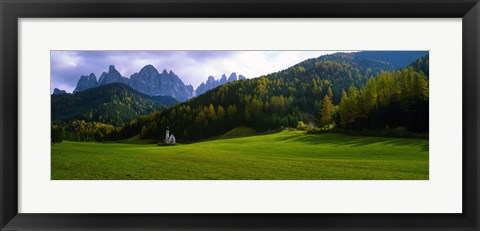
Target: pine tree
[[231, 112], [330, 92], [246, 113], [220, 113], [173, 114], [211, 113], [343, 110], [201, 118], [326, 112], [352, 105]]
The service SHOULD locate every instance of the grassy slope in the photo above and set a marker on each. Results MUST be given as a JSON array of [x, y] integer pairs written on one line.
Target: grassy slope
[[241, 131], [136, 140], [284, 155]]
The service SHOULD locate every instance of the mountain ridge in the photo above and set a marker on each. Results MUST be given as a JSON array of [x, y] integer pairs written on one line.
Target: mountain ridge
[[212, 83], [148, 81]]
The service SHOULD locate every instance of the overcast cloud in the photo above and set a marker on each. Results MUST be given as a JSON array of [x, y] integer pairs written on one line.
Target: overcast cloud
[[193, 67]]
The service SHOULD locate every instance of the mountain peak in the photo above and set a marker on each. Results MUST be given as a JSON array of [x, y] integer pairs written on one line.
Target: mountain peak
[[149, 68], [113, 76], [86, 82], [149, 81], [232, 77], [222, 80], [57, 91]]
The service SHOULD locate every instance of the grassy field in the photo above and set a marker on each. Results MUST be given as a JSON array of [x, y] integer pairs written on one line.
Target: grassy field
[[287, 155]]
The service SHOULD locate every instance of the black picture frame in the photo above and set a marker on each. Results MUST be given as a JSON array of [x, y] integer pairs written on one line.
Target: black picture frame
[[12, 10]]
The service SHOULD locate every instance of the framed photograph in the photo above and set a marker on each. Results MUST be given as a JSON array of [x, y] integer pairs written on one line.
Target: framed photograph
[[265, 115]]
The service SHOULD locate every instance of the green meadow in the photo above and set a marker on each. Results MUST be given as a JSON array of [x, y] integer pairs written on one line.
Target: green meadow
[[286, 155]]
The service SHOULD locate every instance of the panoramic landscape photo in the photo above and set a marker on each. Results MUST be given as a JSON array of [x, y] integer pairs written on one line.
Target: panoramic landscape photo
[[239, 115]]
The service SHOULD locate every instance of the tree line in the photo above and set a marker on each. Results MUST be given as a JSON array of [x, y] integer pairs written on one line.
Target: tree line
[[390, 100]]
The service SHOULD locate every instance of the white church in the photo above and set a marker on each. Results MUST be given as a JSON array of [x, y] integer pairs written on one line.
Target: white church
[[169, 139]]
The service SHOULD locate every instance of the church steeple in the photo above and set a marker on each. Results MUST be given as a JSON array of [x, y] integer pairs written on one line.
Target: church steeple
[[167, 133]]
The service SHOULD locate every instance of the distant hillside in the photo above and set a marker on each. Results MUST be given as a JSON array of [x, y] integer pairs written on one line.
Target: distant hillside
[[398, 58], [422, 65], [165, 100], [112, 104], [340, 70]]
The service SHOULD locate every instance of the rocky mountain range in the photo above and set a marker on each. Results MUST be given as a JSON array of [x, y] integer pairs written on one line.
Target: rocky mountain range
[[148, 81], [212, 83], [153, 83]]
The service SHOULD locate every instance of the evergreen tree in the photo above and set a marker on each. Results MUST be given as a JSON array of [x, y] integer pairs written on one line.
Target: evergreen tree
[[212, 116], [220, 113], [330, 92], [57, 134], [343, 110], [326, 113]]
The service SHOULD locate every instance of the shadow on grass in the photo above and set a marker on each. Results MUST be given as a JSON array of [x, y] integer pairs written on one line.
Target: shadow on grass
[[355, 141]]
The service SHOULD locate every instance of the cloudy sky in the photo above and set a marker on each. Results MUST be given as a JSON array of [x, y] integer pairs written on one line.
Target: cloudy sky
[[193, 67]]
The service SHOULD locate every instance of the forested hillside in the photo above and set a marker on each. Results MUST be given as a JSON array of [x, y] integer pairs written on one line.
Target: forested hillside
[[113, 104], [389, 98]]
